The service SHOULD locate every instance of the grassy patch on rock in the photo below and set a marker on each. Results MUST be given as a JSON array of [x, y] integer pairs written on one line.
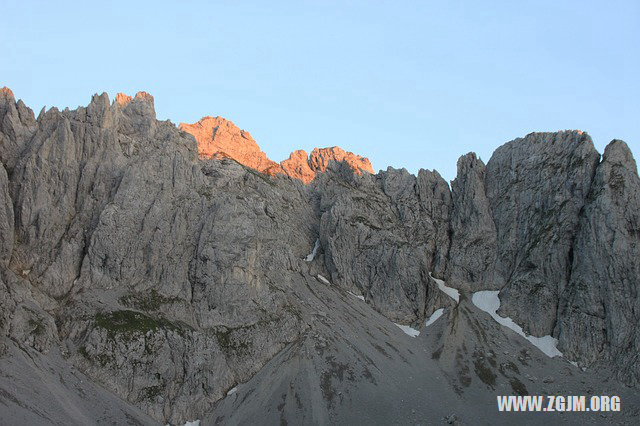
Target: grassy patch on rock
[[131, 323], [150, 301]]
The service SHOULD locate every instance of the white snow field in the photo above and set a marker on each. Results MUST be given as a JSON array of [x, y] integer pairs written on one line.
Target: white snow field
[[356, 296], [434, 316], [313, 253], [451, 292], [408, 330], [323, 279], [489, 302]]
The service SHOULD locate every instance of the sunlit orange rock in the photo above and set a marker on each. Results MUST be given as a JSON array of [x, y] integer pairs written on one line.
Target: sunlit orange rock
[[303, 167], [144, 96], [5, 92], [122, 99], [220, 138], [297, 166], [320, 157]]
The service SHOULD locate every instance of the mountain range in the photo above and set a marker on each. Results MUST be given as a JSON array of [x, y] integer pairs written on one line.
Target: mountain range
[[153, 273]]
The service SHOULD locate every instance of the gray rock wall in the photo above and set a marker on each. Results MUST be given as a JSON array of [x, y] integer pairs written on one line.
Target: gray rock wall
[[472, 257], [6, 220], [536, 188], [555, 230], [383, 234], [600, 308]]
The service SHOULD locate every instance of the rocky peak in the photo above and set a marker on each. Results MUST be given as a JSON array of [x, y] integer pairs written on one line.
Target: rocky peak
[[599, 309], [297, 166], [320, 157], [220, 138], [122, 99], [305, 168], [139, 111], [618, 152], [142, 103], [6, 93], [473, 232], [121, 248], [17, 124]]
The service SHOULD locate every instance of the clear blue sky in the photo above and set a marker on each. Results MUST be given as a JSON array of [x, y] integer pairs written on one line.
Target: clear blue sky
[[411, 84]]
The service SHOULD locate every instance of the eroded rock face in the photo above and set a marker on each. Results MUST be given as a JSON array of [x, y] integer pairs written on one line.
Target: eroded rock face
[[472, 256], [6, 220], [600, 307], [557, 233], [17, 124], [138, 247], [536, 188], [155, 264], [383, 234]]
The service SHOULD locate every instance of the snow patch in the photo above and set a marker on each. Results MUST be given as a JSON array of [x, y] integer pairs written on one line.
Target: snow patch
[[355, 295], [312, 255], [193, 423], [408, 330], [323, 279], [489, 302], [232, 390], [434, 316], [451, 292]]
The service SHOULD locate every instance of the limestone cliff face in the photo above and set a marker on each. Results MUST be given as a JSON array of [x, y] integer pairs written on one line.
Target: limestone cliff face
[[141, 260], [6, 220], [17, 125], [600, 307], [472, 257], [168, 273], [536, 187], [220, 138], [555, 230], [383, 234]]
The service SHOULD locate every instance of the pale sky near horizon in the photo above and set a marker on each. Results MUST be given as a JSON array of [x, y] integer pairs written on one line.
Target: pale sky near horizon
[[406, 83]]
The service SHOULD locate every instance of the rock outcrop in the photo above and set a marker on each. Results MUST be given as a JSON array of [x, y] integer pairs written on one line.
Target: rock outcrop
[[17, 124], [150, 263], [382, 235], [320, 158], [219, 138], [600, 308], [6, 220], [536, 188], [297, 166], [555, 230], [473, 252]]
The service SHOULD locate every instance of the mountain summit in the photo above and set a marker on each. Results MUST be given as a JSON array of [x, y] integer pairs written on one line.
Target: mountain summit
[[220, 138]]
